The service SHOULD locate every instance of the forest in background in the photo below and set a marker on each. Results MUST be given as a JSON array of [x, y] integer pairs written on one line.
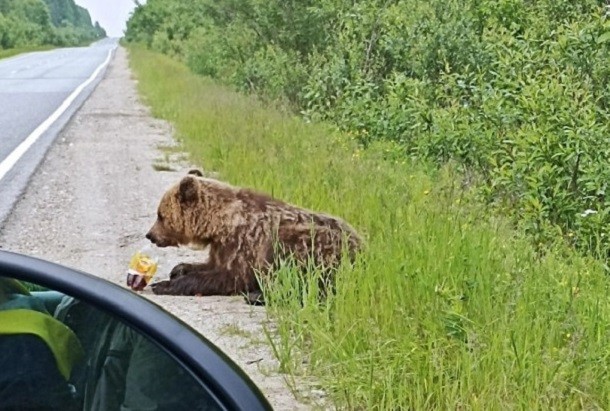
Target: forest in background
[[516, 92], [34, 23]]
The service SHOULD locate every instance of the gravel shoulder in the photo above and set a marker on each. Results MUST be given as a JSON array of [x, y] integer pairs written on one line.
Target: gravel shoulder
[[94, 197]]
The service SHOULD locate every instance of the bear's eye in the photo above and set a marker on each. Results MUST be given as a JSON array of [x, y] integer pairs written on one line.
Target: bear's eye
[[159, 217]]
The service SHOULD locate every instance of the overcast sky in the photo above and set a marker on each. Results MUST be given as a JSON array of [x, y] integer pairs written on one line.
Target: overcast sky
[[111, 14]]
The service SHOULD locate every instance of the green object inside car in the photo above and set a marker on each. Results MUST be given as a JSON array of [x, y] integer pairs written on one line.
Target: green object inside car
[[12, 286], [22, 313]]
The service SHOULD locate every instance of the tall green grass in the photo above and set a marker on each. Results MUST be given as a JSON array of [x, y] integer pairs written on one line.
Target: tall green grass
[[448, 308]]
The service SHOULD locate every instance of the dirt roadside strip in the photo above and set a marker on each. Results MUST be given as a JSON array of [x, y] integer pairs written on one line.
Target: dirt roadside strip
[[94, 197]]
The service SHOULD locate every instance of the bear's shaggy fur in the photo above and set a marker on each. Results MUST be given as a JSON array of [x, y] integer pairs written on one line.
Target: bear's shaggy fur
[[248, 232]]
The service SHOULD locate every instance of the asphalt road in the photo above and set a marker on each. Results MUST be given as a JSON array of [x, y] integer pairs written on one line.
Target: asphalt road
[[39, 93]]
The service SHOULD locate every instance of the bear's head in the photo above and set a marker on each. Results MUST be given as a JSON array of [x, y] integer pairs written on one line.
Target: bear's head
[[178, 215]]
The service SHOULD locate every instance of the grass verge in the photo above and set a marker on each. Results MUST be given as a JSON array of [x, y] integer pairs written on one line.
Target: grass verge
[[449, 308], [13, 52]]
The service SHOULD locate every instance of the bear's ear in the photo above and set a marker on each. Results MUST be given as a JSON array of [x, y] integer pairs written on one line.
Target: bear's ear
[[188, 190], [195, 172]]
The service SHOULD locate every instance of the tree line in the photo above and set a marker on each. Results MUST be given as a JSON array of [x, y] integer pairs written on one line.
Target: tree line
[[517, 92], [30, 23]]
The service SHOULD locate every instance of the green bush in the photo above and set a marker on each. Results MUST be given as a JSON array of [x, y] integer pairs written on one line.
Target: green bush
[[516, 91]]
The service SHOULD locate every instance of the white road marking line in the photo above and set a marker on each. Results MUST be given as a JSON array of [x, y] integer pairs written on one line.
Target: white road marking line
[[9, 162]]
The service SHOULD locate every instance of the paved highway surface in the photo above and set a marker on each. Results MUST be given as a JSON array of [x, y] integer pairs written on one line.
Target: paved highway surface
[[39, 92]]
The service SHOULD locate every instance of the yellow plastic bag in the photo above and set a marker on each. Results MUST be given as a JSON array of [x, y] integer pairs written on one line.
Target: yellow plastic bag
[[142, 268]]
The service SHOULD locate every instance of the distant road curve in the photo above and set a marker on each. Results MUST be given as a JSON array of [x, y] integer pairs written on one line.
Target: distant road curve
[[39, 93]]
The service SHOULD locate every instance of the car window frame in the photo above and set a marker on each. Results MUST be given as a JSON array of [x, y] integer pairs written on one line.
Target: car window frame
[[217, 373]]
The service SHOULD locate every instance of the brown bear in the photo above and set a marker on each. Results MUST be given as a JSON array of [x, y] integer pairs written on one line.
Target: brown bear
[[247, 232]]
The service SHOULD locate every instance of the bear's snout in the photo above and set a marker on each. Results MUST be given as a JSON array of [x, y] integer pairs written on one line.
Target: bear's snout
[[152, 238], [160, 241]]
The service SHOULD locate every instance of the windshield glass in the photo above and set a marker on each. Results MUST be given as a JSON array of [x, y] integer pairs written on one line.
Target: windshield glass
[[59, 353]]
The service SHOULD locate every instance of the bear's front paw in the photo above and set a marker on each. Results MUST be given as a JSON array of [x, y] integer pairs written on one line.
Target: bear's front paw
[[179, 271], [161, 288]]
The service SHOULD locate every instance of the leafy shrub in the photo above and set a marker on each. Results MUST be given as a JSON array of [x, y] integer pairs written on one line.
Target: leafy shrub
[[514, 90]]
